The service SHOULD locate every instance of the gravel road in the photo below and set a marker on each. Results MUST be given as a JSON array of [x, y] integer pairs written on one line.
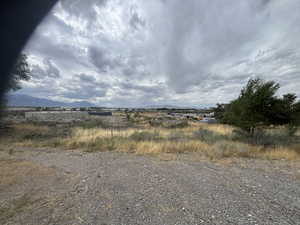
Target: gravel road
[[115, 188]]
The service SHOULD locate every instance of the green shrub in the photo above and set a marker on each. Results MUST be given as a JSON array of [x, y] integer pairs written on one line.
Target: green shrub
[[176, 124], [172, 124], [291, 130], [262, 138], [145, 136], [39, 136], [208, 136], [155, 123]]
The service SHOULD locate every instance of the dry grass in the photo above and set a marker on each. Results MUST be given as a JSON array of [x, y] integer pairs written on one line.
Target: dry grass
[[218, 128], [152, 147], [212, 141], [25, 188], [122, 141], [221, 149], [92, 134], [30, 128], [14, 171], [280, 153]]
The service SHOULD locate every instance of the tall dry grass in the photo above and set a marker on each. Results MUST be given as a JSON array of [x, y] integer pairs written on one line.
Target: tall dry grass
[[213, 141], [175, 141]]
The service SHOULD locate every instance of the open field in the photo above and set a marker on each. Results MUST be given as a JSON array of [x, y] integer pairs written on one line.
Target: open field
[[210, 141], [187, 173]]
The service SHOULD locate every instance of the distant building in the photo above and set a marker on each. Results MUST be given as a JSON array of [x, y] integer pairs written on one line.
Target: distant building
[[56, 116], [100, 113]]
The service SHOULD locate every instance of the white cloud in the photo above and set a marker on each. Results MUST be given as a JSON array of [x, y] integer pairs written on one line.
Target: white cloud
[[163, 52]]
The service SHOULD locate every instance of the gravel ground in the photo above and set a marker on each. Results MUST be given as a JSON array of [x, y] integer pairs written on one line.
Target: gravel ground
[[115, 188]]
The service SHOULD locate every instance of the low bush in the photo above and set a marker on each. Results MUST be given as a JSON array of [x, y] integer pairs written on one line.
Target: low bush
[[173, 124], [262, 138], [225, 149], [208, 136], [212, 141], [90, 124], [176, 136], [291, 130], [156, 123], [102, 145], [145, 136], [26, 131]]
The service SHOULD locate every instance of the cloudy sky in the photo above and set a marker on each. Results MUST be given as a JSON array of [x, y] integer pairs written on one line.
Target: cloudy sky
[[163, 52]]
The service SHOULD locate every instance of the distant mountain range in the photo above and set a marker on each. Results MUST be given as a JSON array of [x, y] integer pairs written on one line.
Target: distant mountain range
[[26, 100], [20, 100]]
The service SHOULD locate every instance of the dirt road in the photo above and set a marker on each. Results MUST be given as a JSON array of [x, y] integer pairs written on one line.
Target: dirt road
[[71, 187]]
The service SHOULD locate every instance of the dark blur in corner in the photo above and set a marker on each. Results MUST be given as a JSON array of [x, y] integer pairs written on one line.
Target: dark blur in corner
[[18, 20]]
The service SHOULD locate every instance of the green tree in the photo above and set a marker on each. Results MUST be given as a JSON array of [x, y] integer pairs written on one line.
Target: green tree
[[20, 72], [258, 105], [219, 111]]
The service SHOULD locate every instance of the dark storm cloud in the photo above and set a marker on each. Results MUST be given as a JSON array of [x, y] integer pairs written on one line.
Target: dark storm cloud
[[89, 81], [83, 86], [149, 52], [51, 69], [83, 94], [102, 60], [86, 78], [136, 21], [203, 34], [135, 66], [37, 72], [154, 90]]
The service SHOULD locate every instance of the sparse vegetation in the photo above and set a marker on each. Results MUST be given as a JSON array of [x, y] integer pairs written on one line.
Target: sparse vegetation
[[218, 143], [208, 136], [211, 141], [145, 136], [258, 125], [167, 123]]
